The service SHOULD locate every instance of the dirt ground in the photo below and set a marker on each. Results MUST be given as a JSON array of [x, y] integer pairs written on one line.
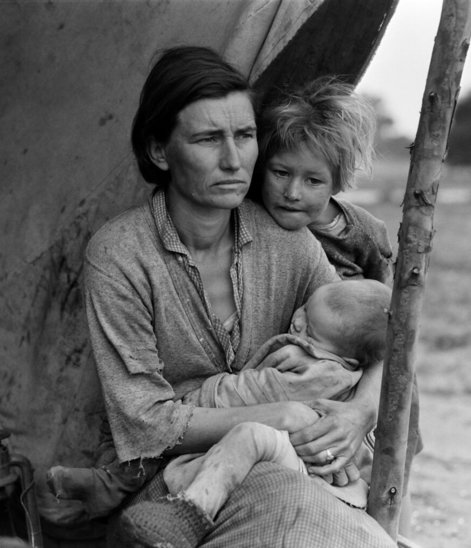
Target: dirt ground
[[441, 474], [441, 478]]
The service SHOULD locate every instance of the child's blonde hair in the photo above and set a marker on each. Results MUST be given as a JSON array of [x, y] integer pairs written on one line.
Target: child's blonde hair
[[328, 117]]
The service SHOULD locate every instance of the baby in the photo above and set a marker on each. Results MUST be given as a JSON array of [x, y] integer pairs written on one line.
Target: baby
[[341, 327]]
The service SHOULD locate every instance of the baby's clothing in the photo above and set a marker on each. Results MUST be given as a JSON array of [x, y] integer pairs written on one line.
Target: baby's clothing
[[329, 377]]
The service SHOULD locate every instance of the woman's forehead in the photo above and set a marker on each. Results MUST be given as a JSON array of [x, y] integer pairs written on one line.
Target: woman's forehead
[[233, 111]]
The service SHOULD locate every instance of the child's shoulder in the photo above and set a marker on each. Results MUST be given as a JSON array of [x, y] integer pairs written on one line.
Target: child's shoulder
[[360, 217]]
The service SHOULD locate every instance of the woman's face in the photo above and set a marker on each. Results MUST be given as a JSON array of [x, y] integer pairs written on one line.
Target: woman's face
[[211, 152], [297, 187]]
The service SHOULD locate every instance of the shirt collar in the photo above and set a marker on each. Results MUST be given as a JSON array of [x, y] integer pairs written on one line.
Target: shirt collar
[[169, 235]]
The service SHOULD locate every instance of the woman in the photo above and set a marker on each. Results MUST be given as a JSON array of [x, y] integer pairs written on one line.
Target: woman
[[197, 264]]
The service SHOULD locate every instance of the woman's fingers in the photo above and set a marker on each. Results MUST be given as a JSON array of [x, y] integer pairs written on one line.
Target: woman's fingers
[[340, 478]]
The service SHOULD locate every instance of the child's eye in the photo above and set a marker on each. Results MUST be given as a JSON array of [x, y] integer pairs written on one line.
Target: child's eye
[[314, 182], [281, 173]]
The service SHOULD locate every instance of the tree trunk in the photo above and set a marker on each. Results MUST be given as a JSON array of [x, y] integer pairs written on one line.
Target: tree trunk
[[415, 243]]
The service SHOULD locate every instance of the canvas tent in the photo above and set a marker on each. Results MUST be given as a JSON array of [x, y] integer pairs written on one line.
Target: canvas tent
[[71, 74]]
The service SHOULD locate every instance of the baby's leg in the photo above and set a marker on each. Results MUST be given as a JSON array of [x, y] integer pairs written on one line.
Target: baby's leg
[[199, 486], [216, 474]]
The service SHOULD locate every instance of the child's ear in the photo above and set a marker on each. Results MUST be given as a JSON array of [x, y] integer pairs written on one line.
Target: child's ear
[[158, 155]]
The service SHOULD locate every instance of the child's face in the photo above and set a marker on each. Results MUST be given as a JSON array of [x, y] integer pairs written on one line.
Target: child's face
[[314, 321], [297, 187]]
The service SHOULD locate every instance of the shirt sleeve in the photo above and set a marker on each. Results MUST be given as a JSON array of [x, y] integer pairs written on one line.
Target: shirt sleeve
[[320, 379], [144, 419]]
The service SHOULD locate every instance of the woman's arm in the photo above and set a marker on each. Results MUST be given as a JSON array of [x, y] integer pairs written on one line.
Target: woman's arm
[[342, 425], [207, 426]]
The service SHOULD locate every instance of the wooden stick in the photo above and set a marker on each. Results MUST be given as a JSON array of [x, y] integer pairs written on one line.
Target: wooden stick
[[415, 242]]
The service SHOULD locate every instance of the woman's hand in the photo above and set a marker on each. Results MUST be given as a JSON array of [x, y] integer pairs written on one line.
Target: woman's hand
[[338, 433]]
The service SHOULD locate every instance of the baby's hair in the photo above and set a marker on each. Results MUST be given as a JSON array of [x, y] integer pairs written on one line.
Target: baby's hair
[[328, 117], [361, 309]]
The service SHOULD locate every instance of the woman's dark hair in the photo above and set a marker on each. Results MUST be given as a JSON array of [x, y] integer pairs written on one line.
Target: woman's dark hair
[[181, 76]]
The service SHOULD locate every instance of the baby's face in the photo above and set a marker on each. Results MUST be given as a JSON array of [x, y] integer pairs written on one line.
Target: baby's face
[[298, 324], [314, 321]]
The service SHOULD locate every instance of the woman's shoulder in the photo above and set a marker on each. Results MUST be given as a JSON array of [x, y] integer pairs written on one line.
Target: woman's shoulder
[[262, 225], [122, 234]]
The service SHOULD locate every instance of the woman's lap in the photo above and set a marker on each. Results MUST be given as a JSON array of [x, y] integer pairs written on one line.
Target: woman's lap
[[275, 507]]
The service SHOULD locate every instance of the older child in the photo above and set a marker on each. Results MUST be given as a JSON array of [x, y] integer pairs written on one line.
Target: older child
[[311, 143]]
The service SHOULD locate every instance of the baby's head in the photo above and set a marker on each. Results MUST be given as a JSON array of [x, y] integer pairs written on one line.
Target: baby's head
[[347, 318]]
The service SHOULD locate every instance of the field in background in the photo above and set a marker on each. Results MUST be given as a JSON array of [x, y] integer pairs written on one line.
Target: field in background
[[441, 481]]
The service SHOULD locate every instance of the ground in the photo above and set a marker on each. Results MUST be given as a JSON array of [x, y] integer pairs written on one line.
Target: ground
[[441, 476]]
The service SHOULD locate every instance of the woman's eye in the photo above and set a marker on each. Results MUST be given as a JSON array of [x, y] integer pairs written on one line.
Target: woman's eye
[[246, 136], [208, 140]]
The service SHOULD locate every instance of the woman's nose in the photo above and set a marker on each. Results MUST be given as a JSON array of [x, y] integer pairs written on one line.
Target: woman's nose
[[293, 190], [230, 158]]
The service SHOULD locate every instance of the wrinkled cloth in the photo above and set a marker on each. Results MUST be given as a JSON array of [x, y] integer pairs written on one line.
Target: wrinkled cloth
[[362, 249], [142, 305], [329, 376], [279, 508]]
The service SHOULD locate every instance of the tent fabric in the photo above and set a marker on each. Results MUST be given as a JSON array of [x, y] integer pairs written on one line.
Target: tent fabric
[[71, 76]]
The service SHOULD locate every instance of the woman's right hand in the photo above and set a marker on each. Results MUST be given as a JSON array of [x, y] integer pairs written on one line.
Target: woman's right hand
[[297, 416], [299, 420]]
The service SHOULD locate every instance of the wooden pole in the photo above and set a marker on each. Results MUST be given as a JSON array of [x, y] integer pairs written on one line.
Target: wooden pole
[[415, 242]]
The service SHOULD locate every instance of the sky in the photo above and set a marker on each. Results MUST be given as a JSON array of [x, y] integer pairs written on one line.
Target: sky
[[398, 71]]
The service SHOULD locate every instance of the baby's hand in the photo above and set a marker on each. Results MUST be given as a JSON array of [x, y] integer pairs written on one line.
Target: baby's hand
[[290, 357], [299, 323]]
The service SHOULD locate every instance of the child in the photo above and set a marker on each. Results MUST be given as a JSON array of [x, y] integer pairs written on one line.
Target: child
[[342, 327], [311, 143]]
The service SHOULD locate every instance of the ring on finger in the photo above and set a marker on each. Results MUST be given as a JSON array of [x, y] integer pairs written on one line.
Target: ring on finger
[[329, 456]]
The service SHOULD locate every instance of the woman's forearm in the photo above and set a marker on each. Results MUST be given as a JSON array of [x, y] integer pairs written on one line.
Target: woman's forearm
[[368, 392], [207, 426]]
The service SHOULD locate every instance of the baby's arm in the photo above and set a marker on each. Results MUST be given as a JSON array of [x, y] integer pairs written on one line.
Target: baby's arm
[[208, 480], [269, 381]]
